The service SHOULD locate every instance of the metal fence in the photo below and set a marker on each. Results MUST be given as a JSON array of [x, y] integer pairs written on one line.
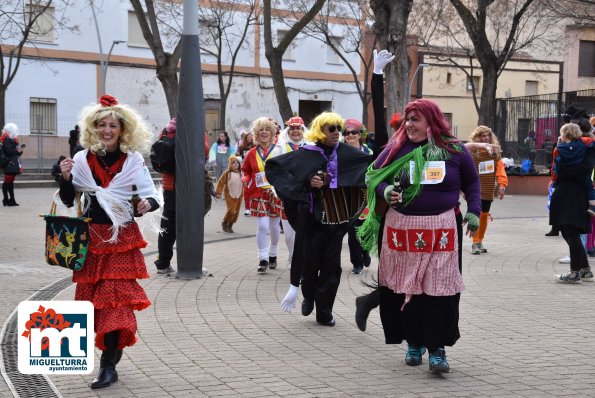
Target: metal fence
[[528, 127]]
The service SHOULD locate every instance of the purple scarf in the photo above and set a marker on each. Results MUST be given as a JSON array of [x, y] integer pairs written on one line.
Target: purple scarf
[[332, 168]]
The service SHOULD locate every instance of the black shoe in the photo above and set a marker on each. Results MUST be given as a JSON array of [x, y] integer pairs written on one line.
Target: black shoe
[[357, 270], [327, 323], [307, 307], [272, 262], [263, 265], [367, 259], [105, 378], [12, 202], [362, 311], [166, 271], [4, 202], [552, 233]]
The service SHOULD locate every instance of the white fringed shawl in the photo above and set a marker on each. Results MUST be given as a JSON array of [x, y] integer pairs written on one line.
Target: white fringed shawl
[[115, 199]]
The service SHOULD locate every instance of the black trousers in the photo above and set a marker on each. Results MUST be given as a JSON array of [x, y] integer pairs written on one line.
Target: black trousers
[[356, 253], [578, 257], [165, 241], [321, 268]]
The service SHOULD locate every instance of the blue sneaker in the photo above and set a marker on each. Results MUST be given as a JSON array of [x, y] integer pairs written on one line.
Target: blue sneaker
[[414, 354], [438, 362]]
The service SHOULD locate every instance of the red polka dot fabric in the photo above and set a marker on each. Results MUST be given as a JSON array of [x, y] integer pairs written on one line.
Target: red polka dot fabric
[[108, 280]]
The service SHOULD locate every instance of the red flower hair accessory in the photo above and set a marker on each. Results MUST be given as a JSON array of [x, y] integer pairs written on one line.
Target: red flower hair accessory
[[395, 119], [108, 100]]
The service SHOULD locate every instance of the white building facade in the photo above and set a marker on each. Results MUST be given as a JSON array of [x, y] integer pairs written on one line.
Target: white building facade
[[60, 73]]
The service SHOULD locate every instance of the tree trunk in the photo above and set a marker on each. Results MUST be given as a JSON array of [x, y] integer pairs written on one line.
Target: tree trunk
[[366, 104], [222, 92], [391, 29], [169, 80], [2, 105], [487, 107], [222, 113], [275, 59]]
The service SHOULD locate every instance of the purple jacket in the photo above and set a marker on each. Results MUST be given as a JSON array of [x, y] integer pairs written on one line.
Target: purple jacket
[[461, 175]]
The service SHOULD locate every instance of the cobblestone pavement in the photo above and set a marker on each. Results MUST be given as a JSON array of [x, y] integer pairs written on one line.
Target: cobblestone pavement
[[523, 335]]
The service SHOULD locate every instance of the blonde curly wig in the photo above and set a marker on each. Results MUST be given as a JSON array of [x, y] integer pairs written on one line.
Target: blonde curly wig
[[475, 137], [479, 130], [134, 136], [315, 134], [263, 123]]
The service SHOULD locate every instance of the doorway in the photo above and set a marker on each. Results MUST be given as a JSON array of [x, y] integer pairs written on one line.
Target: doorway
[[308, 110]]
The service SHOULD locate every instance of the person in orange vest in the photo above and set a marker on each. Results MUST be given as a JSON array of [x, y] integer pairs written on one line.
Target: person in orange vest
[[485, 149]]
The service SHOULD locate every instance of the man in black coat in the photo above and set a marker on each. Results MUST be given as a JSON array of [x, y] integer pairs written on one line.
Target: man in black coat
[[323, 192]]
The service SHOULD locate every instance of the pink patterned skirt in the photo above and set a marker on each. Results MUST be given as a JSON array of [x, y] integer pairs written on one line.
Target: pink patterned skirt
[[420, 255]]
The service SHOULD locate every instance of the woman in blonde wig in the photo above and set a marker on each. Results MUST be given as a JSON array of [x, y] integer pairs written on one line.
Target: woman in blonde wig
[[485, 149], [107, 173], [264, 204]]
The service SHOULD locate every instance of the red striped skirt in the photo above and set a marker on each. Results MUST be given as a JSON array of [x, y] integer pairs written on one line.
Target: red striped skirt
[[264, 203]]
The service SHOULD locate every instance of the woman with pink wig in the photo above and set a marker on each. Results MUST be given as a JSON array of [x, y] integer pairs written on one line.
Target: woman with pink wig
[[413, 201]]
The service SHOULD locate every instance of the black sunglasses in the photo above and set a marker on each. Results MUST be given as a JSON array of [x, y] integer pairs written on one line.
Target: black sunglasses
[[352, 132], [332, 129]]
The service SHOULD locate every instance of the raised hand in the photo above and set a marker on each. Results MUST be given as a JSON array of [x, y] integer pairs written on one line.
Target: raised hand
[[381, 59]]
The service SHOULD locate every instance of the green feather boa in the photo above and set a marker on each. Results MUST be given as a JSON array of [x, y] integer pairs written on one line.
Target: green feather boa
[[369, 231]]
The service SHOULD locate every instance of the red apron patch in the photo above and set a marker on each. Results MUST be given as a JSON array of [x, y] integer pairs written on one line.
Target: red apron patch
[[420, 240], [396, 239], [444, 240]]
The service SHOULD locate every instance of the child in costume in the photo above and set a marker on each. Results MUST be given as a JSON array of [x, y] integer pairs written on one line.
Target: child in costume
[[230, 184]]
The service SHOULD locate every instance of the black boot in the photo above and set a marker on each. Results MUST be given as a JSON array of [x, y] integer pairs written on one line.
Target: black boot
[[554, 232], [107, 365], [4, 194], [363, 306], [119, 355], [10, 189]]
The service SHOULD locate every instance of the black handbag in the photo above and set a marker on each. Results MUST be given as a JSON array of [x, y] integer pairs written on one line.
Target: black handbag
[[66, 238]]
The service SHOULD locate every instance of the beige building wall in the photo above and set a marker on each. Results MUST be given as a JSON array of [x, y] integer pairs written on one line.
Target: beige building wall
[[573, 35], [448, 86]]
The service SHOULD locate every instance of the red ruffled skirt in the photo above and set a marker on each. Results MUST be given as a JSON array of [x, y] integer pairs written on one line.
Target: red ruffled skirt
[[108, 280]]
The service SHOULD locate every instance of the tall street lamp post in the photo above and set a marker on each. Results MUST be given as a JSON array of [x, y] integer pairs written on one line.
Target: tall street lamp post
[[106, 64], [190, 154], [413, 78]]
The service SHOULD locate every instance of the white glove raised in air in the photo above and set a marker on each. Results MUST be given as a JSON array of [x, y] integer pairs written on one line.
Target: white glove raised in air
[[381, 59], [289, 300]]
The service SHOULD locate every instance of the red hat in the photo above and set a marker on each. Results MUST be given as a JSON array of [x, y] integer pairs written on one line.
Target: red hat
[[295, 121]]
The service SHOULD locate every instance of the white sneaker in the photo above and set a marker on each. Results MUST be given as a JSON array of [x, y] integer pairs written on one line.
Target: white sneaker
[[564, 260], [247, 213]]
